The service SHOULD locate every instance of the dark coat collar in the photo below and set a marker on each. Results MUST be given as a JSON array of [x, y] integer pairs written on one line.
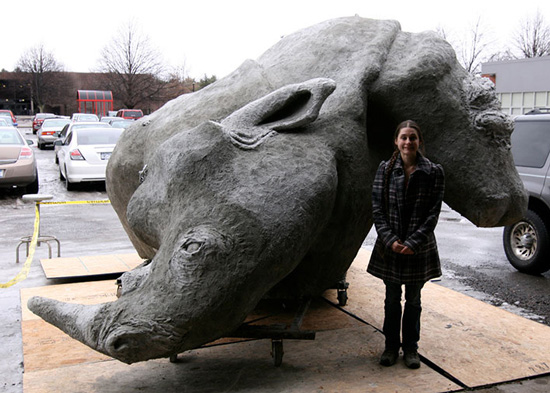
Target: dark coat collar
[[422, 164]]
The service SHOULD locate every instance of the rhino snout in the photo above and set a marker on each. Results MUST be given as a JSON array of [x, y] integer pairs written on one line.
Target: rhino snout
[[131, 345]]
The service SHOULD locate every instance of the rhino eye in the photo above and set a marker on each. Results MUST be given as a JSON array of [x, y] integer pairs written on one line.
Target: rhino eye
[[143, 174], [192, 247]]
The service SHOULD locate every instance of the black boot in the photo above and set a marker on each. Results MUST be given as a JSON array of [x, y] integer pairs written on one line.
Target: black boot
[[389, 357]]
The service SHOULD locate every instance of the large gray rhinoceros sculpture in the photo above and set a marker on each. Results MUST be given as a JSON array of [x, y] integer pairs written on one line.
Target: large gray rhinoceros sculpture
[[259, 185]]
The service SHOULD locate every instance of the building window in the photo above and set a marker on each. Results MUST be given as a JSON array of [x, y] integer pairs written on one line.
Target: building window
[[520, 103]]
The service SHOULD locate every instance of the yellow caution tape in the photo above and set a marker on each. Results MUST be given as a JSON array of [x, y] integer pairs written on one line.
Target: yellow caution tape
[[75, 202], [27, 266]]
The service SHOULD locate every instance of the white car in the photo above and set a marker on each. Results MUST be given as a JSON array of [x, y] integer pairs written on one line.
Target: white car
[[73, 126], [84, 153], [49, 131], [84, 117], [4, 123]]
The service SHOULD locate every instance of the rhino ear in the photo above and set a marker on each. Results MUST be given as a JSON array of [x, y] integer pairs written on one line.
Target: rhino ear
[[289, 107]]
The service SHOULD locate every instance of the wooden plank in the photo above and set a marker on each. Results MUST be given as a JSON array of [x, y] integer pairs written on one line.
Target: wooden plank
[[477, 343], [341, 360], [84, 293], [89, 265], [47, 347], [344, 354]]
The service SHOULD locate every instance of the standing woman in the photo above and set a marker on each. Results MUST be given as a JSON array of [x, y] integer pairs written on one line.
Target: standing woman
[[406, 197]]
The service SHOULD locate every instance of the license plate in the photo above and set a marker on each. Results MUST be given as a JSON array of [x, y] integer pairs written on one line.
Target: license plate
[[1, 173], [105, 156]]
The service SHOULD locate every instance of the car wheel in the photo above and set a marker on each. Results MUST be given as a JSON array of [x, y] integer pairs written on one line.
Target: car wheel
[[33, 187], [70, 186], [40, 146], [526, 244], [61, 177]]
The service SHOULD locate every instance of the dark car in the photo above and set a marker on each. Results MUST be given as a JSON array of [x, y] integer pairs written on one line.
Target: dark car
[[17, 162], [527, 242]]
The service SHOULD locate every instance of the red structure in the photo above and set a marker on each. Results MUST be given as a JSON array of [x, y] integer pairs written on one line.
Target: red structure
[[94, 101]]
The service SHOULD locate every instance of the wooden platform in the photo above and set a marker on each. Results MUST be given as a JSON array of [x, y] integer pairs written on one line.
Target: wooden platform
[[89, 265], [476, 344]]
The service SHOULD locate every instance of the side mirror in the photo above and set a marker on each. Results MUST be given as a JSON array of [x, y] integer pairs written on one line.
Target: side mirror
[[58, 142], [30, 142]]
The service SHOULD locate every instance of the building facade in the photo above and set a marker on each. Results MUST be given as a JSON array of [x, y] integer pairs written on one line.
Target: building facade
[[521, 85], [62, 93]]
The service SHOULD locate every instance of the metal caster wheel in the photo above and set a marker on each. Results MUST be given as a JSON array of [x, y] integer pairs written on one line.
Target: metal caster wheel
[[277, 352]]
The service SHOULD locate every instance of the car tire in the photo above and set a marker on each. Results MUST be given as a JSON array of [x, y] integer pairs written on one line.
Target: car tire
[[40, 146], [61, 177], [526, 244], [33, 187], [70, 186]]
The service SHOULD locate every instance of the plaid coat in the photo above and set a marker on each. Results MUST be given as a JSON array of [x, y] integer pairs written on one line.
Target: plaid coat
[[411, 217]]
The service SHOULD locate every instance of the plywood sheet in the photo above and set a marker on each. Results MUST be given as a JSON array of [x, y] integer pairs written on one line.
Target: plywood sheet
[[47, 347], [477, 343], [344, 356], [342, 360], [89, 265], [94, 292]]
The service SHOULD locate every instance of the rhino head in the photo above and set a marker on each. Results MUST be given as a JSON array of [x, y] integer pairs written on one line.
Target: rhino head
[[220, 205]]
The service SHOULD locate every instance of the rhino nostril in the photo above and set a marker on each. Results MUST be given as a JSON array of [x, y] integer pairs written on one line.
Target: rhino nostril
[[120, 344]]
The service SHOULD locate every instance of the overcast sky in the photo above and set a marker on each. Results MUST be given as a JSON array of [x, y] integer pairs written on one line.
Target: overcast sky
[[214, 37]]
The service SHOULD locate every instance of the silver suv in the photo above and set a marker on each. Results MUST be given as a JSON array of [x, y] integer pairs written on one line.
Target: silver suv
[[527, 242]]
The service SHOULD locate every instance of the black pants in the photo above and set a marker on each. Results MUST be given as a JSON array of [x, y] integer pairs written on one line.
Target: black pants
[[396, 321]]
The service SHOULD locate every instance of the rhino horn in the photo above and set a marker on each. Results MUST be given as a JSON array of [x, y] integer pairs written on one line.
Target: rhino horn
[[73, 319]]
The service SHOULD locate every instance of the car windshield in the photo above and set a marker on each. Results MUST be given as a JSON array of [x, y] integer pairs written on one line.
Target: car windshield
[[121, 123], [10, 136], [531, 143], [95, 125], [98, 136], [55, 122], [87, 118], [3, 122]]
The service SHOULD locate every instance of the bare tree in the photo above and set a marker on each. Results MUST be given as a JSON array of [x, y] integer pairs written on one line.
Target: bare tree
[[42, 69], [473, 48], [134, 68], [533, 37]]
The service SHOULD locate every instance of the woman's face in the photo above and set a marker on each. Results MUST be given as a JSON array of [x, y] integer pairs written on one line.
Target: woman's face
[[407, 141]]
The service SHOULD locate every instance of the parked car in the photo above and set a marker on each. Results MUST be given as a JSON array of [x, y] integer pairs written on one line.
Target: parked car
[[38, 119], [121, 123], [17, 161], [132, 114], [84, 117], [6, 117], [73, 126], [50, 129], [5, 123], [84, 154], [10, 113], [107, 119], [527, 242]]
